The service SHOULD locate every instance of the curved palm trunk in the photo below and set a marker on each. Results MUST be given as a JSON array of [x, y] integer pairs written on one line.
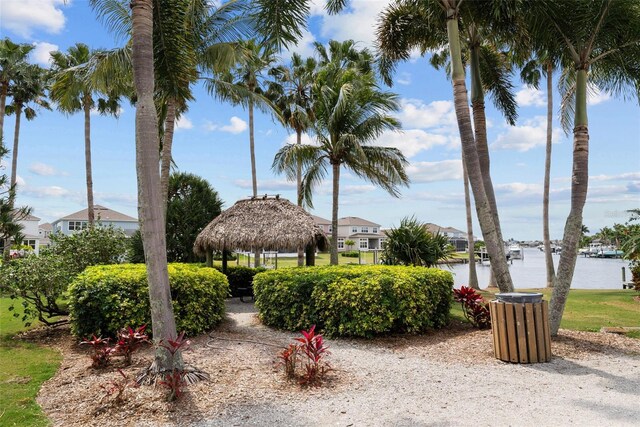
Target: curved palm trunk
[[490, 233], [254, 178], [149, 197], [473, 276], [14, 155], [579, 186], [334, 214], [548, 258], [87, 161], [299, 189], [167, 145]]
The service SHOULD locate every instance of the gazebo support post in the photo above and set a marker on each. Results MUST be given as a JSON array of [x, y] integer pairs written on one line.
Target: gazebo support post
[[209, 258], [310, 253], [225, 260]]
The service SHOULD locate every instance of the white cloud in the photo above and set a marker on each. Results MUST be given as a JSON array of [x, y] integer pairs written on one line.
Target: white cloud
[[528, 96], [357, 189], [635, 176], [596, 97], [183, 123], [43, 169], [41, 53], [236, 125], [437, 114], [22, 17], [533, 133], [411, 141], [305, 139], [446, 170], [304, 47], [404, 79]]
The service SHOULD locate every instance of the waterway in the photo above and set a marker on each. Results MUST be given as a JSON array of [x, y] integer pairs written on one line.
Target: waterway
[[530, 272]]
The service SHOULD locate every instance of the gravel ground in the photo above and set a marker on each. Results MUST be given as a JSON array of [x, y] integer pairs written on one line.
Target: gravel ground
[[440, 379]]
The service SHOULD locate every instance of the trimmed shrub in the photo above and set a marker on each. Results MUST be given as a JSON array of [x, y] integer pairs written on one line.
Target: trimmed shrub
[[104, 299], [355, 300], [240, 277], [350, 254]]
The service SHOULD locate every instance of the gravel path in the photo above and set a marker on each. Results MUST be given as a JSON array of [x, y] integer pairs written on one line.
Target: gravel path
[[403, 389], [446, 377]]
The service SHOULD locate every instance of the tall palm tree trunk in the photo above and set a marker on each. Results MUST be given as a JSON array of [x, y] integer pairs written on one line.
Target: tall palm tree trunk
[[87, 161], [334, 214], [473, 276], [167, 145], [299, 189], [579, 187], [149, 197], [14, 155], [548, 258], [254, 178], [490, 233]]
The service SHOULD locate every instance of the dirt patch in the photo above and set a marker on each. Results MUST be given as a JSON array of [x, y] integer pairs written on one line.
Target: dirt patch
[[240, 357]]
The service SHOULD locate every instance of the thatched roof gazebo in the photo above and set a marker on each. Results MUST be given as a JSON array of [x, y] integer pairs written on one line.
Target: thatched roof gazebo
[[267, 222]]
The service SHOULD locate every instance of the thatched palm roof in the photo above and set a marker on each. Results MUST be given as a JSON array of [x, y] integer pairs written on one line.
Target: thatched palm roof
[[270, 223]]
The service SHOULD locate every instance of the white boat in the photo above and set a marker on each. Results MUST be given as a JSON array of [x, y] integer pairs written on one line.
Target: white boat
[[515, 252]]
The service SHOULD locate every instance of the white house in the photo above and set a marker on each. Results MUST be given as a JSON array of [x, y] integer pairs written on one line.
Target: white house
[[365, 234], [31, 232], [103, 216], [456, 237]]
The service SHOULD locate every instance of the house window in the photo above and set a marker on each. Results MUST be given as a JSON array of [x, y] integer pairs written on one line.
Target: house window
[[30, 242], [354, 229], [364, 243], [365, 229], [330, 228], [77, 225], [340, 243], [374, 230]]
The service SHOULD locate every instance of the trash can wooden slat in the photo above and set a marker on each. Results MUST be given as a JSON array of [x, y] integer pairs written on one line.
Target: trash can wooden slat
[[521, 331]]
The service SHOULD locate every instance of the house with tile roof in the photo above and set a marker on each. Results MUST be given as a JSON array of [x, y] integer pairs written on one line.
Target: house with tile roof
[[103, 216], [367, 235], [456, 237]]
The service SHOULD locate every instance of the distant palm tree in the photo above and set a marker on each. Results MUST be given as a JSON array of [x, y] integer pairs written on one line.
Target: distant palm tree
[[28, 87], [73, 92], [351, 113], [12, 57]]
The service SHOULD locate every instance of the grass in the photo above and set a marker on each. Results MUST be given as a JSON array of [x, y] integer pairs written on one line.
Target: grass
[[23, 369]]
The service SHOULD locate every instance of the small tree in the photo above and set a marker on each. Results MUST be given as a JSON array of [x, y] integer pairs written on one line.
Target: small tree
[[349, 243], [412, 244]]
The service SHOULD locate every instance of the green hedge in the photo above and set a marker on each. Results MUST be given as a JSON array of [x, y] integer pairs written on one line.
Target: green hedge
[[351, 254], [104, 299], [355, 300], [240, 277]]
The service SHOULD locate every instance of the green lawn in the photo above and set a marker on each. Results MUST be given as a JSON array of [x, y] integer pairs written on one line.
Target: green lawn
[[23, 368]]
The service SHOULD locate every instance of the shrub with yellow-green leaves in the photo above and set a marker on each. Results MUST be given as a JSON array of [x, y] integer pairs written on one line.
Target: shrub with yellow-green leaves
[[104, 299], [355, 300]]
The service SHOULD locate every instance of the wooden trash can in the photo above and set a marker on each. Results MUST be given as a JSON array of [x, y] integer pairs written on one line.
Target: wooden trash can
[[521, 331]]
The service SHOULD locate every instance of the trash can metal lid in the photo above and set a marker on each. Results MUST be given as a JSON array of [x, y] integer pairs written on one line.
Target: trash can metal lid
[[520, 297]]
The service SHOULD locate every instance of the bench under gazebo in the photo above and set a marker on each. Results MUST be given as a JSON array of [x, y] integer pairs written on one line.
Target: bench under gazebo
[[265, 223]]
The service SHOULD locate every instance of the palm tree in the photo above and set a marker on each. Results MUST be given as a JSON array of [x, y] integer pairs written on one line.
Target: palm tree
[[149, 196], [12, 57], [292, 95], [28, 86], [351, 112], [73, 92], [600, 47], [407, 24]]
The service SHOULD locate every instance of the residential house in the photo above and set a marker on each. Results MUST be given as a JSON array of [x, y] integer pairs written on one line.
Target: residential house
[[456, 237], [103, 216], [30, 232], [365, 234], [44, 232]]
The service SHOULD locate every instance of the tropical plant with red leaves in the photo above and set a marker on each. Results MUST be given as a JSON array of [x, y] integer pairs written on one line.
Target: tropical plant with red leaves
[[288, 359], [118, 388], [312, 345], [102, 352], [129, 341], [174, 379], [474, 307]]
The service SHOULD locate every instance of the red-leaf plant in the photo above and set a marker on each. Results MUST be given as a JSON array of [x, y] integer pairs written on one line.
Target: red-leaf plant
[[312, 346], [289, 357], [174, 379], [129, 341], [102, 353], [474, 307], [118, 388]]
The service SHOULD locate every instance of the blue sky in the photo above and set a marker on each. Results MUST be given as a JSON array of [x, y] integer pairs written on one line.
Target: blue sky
[[212, 141]]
